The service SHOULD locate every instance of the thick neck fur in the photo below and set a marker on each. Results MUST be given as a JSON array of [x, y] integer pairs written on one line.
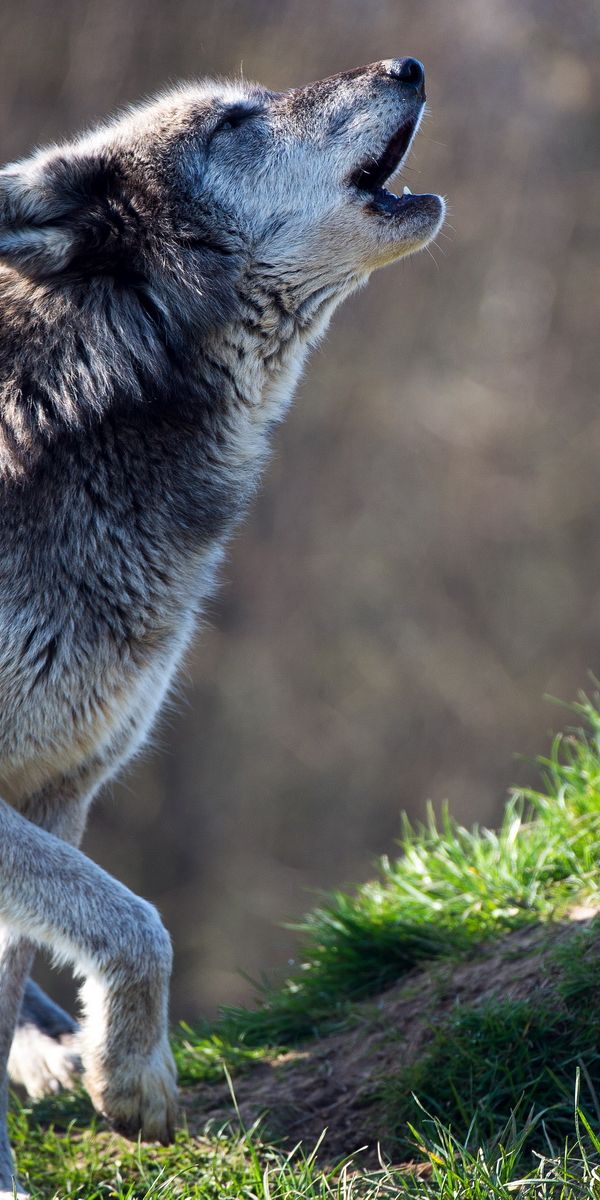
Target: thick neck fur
[[131, 444], [281, 315], [71, 356]]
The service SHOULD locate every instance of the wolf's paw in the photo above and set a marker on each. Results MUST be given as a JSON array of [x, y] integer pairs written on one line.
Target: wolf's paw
[[43, 1064], [138, 1095]]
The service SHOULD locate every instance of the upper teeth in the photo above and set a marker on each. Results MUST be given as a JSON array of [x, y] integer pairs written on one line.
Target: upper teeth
[[406, 191]]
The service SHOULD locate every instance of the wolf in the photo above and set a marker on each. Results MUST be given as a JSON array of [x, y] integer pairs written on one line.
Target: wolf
[[161, 281]]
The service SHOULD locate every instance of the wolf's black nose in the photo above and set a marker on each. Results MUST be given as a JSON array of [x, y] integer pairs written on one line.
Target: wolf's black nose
[[408, 70]]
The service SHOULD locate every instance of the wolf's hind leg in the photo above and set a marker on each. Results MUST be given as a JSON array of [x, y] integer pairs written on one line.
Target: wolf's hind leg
[[55, 895], [44, 1056]]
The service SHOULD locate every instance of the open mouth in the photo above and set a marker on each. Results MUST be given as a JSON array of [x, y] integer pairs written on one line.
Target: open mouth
[[371, 175]]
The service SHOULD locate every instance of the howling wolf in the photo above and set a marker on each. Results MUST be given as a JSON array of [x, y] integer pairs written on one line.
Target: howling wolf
[[161, 281]]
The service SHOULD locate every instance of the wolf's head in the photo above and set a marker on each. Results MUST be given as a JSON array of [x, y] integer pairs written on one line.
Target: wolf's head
[[187, 193]]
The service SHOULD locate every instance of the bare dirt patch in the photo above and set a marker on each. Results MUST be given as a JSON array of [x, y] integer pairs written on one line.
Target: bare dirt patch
[[333, 1082]]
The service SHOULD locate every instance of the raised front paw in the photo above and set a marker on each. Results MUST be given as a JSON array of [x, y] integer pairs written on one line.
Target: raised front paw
[[137, 1096], [43, 1064]]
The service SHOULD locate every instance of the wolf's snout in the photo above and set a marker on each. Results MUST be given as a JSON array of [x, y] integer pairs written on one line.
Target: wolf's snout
[[408, 71]]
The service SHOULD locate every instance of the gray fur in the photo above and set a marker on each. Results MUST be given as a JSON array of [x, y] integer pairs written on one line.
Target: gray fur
[[161, 280]]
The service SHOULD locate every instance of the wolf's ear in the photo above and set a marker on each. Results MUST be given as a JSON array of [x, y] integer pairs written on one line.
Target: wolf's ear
[[54, 210]]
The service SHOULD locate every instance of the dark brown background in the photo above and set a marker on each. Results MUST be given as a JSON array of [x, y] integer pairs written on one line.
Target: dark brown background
[[423, 562]]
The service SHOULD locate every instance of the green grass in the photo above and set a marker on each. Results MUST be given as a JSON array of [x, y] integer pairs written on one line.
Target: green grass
[[450, 889], [504, 1100], [487, 1063], [90, 1166]]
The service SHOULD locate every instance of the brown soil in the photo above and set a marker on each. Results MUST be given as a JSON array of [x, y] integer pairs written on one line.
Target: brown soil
[[332, 1082]]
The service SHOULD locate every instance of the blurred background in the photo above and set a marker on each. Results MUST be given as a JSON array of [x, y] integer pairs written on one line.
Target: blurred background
[[423, 562]]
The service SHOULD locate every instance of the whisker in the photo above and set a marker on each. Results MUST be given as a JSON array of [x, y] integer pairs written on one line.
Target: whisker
[[432, 256], [435, 141]]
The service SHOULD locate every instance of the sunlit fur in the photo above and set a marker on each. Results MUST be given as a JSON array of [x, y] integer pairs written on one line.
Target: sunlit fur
[[161, 280]]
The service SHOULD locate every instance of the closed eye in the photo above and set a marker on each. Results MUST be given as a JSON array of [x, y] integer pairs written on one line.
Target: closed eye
[[235, 116]]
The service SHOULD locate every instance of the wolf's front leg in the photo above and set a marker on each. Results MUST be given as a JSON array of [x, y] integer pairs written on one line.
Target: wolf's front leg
[[9, 1183], [15, 961], [57, 897]]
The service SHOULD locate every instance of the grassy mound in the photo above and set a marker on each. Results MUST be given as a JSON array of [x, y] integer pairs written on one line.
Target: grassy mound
[[447, 1011]]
